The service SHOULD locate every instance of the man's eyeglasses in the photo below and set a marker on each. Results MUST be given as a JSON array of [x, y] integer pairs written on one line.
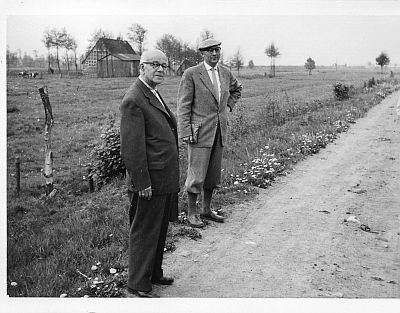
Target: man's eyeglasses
[[211, 50], [156, 65]]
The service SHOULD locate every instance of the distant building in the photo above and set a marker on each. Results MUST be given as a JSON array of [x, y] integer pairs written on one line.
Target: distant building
[[111, 58]]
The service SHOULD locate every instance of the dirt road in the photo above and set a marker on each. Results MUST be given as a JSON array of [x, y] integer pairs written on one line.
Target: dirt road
[[293, 240]]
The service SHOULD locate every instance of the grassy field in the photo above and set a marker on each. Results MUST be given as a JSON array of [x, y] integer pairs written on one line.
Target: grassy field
[[54, 243]]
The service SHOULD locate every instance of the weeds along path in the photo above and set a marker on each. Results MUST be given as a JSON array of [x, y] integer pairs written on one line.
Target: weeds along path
[[294, 239]]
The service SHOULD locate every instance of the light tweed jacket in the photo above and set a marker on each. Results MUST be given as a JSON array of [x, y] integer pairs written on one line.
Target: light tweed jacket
[[198, 104]]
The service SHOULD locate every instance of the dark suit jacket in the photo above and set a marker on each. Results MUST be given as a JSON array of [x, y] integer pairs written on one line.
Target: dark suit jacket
[[198, 104], [149, 142]]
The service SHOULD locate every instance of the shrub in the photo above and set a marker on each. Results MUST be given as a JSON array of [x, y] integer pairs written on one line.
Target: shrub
[[371, 82], [107, 154], [341, 91]]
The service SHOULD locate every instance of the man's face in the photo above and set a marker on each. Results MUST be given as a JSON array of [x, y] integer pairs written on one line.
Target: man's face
[[211, 55], [153, 72]]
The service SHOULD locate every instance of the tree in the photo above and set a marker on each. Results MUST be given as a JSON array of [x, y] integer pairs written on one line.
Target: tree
[[237, 61], [12, 58], [137, 34], [66, 42], [272, 52], [309, 65], [172, 48], [96, 35], [74, 46], [206, 34], [46, 39], [382, 60], [250, 64], [56, 40]]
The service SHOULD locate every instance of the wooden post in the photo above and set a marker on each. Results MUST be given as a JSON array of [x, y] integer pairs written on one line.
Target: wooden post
[[48, 162], [90, 180], [18, 174]]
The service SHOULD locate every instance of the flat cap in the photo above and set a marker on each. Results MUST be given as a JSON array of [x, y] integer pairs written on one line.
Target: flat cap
[[153, 56], [208, 43]]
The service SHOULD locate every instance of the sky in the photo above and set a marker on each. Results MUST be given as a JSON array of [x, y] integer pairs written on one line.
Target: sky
[[329, 31]]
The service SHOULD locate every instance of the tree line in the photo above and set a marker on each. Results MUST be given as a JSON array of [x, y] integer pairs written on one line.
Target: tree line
[[60, 43]]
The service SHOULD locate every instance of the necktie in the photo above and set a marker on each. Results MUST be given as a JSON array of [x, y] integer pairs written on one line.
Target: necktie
[[214, 82]]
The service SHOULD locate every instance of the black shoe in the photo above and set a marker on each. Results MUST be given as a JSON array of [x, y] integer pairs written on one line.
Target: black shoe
[[195, 221], [163, 280], [142, 294], [212, 216]]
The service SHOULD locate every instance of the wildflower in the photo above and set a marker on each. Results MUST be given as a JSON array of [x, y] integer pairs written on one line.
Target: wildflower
[[14, 284], [94, 268], [113, 270]]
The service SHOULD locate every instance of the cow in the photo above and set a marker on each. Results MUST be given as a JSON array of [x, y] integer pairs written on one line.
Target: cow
[[23, 74]]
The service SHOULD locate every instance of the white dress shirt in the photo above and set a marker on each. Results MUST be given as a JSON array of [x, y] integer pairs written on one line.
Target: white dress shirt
[[209, 71], [154, 91]]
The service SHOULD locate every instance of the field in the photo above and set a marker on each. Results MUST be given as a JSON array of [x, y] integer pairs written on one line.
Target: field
[[53, 243]]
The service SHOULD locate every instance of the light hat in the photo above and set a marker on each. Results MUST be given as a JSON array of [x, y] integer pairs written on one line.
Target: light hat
[[208, 43]]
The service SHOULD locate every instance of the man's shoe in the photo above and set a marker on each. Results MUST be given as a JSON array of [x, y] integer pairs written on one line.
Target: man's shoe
[[142, 294], [195, 221], [163, 281], [212, 216]]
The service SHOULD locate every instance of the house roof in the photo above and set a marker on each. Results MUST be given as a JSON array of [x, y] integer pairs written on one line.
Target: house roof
[[123, 56], [114, 46]]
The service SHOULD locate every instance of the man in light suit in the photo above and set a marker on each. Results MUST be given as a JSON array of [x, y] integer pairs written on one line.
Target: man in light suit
[[205, 94], [149, 149]]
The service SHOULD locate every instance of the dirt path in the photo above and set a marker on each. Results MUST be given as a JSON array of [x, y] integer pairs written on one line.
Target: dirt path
[[292, 240]]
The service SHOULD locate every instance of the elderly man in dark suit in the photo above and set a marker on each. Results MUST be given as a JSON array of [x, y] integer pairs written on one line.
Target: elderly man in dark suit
[[205, 94], [149, 148]]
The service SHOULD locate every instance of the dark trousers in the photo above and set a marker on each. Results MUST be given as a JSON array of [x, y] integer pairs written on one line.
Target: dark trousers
[[148, 231]]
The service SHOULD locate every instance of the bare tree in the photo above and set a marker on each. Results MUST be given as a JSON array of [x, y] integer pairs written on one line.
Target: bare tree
[[137, 34], [237, 61], [272, 52], [74, 46], [309, 65], [46, 39], [382, 60], [96, 35], [56, 39], [206, 34]]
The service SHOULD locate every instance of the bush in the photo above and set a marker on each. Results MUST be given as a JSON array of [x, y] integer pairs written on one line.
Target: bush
[[371, 82], [341, 91], [107, 154]]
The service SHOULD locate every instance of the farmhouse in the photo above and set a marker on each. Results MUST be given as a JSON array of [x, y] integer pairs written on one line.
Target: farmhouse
[[111, 58]]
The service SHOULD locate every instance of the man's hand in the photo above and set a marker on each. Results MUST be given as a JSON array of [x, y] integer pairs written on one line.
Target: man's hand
[[146, 193], [187, 139]]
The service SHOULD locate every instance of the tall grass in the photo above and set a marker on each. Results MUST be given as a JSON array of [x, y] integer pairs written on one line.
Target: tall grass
[[53, 244]]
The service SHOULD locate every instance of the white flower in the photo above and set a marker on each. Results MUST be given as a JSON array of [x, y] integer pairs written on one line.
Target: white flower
[[94, 268], [14, 284], [64, 295], [113, 270]]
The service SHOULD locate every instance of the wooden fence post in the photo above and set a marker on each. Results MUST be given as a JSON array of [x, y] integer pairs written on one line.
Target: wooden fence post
[[90, 180], [18, 174], [48, 163]]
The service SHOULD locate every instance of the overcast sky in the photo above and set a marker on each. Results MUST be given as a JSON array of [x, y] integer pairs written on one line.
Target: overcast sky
[[346, 32]]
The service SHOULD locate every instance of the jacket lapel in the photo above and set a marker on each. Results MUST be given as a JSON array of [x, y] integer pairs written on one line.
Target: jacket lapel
[[224, 80], [151, 97], [206, 80]]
